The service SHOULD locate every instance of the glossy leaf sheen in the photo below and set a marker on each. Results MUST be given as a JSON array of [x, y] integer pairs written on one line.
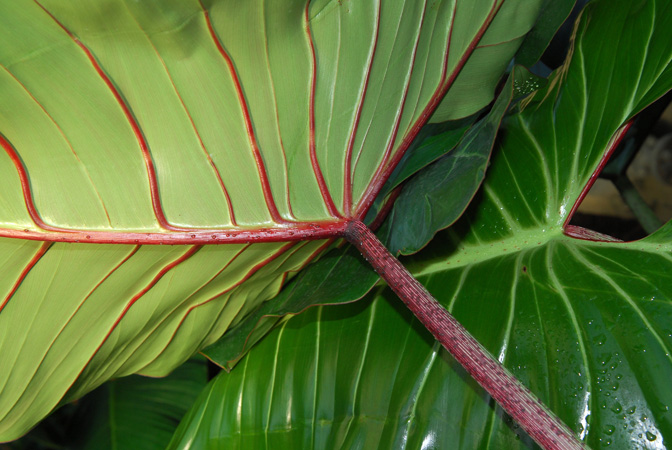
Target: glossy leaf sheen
[[121, 413], [439, 194], [340, 276], [586, 325], [190, 122]]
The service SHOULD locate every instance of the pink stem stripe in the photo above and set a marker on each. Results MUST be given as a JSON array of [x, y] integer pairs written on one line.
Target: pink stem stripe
[[246, 277], [258, 159], [324, 190], [149, 163], [293, 232], [611, 147], [347, 186], [516, 399], [24, 273], [444, 84]]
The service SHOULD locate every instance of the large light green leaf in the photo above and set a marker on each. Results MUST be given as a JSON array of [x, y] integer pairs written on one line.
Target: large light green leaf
[[341, 275], [587, 325], [191, 122], [474, 86]]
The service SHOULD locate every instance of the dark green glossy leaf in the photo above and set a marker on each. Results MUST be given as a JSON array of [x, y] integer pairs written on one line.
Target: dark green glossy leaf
[[587, 325], [439, 194], [193, 122], [553, 14], [368, 374], [340, 276], [136, 412]]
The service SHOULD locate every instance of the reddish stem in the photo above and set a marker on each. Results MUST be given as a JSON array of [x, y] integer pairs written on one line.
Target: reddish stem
[[517, 400]]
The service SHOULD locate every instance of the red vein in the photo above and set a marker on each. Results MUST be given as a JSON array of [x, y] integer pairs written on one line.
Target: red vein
[[612, 146], [24, 273], [70, 318], [188, 254], [400, 111], [226, 366], [149, 163], [293, 232], [246, 277], [324, 190], [258, 159], [232, 216], [65, 138], [444, 84], [25, 186], [347, 186], [277, 120]]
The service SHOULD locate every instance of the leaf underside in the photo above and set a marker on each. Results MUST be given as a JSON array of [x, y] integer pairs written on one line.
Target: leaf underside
[[587, 325], [194, 123]]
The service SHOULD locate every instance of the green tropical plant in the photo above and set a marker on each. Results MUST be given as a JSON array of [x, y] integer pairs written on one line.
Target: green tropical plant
[[583, 321], [191, 294]]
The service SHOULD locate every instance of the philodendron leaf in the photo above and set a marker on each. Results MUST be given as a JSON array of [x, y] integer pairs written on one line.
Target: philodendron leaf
[[439, 194], [553, 14], [124, 124], [474, 87], [587, 325], [341, 276], [136, 412]]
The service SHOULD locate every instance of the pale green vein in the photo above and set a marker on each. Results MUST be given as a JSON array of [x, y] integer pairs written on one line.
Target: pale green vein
[[273, 377], [542, 333], [199, 422], [600, 273], [318, 339], [503, 211], [555, 282], [551, 193], [669, 59], [239, 407], [581, 122], [624, 267], [644, 57], [473, 234], [367, 340], [424, 376], [463, 276], [506, 338]]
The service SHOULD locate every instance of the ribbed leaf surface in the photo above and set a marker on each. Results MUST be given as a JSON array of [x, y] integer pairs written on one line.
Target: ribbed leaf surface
[[191, 122], [587, 325]]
